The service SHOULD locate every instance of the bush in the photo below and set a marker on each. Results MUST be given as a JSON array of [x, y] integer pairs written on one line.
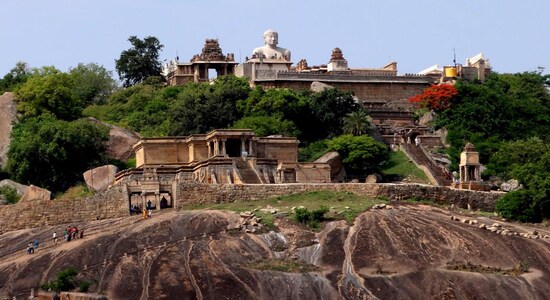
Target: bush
[[10, 193], [310, 217], [64, 281], [518, 205], [84, 286]]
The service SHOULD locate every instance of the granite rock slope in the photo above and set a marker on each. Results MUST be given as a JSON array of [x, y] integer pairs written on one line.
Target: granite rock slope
[[404, 253]]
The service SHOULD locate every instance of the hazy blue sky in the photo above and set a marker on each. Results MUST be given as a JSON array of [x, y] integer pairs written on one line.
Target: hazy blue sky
[[513, 34]]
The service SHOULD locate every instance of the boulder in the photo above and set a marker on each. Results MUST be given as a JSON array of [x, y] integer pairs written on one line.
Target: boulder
[[21, 188], [427, 118], [100, 178], [317, 86], [511, 185], [7, 116], [373, 178], [337, 171], [120, 141], [36, 193]]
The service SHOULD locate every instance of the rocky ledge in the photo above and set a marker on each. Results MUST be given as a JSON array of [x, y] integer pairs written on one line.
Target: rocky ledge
[[400, 252]]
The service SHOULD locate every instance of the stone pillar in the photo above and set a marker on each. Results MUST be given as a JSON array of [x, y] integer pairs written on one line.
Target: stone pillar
[[144, 200], [216, 147], [157, 200], [223, 147], [243, 145], [250, 149], [209, 149]]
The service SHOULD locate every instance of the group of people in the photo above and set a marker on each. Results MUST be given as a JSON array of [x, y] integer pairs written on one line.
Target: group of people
[[146, 213], [32, 246], [70, 234]]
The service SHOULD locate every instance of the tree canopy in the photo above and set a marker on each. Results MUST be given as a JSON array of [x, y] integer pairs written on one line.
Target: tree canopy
[[50, 93], [53, 153], [139, 62], [17, 76], [362, 155], [93, 84]]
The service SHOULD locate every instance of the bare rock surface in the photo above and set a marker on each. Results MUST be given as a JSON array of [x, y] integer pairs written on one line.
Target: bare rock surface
[[7, 116], [397, 253], [337, 171], [318, 86], [99, 179], [120, 142], [35, 193]]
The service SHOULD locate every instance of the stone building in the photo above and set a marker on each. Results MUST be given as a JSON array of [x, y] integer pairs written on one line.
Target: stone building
[[199, 67], [470, 170], [223, 156]]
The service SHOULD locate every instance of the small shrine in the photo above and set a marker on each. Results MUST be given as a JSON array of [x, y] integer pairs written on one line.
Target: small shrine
[[470, 171]]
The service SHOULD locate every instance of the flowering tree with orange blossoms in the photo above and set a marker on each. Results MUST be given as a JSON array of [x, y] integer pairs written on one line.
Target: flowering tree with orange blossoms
[[436, 97]]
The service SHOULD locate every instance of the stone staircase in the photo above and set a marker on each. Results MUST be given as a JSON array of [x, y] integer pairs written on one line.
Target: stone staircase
[[248, 174], [420, 158]]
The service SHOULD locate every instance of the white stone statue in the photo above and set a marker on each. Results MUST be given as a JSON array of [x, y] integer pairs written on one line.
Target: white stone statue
[[270, 49]]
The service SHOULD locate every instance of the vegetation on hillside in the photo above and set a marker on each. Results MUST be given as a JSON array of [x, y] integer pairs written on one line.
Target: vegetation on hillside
[[507, 118]]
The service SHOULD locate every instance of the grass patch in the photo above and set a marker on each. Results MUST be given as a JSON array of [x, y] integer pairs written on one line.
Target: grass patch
[[77, 191], [341, 205], [399, 167], [287, 266]]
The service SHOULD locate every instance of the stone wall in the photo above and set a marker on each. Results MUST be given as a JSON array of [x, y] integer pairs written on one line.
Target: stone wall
[[114, 202], [193, 193], [396, 93], [34, 213]]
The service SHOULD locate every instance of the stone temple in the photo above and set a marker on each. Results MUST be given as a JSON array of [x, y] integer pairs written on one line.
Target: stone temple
[[382, 91], [231, 156]]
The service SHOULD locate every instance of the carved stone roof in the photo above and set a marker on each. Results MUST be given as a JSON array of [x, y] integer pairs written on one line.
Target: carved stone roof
[[469, 147], [336, 55], [212, 52]]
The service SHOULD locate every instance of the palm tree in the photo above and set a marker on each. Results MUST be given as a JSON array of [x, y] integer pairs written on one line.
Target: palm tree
[[357, 122]]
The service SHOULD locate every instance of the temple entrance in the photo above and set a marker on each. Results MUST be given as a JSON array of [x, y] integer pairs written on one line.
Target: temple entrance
[[165, 201], [233, 147]]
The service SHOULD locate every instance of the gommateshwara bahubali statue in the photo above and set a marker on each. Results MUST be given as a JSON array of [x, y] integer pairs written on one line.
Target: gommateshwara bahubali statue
[[270, 49]]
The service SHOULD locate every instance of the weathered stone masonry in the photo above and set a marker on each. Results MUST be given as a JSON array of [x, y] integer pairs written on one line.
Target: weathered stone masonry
[[114, 202]]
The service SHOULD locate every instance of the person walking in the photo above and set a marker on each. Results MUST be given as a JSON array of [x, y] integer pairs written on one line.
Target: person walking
[[55, 238]]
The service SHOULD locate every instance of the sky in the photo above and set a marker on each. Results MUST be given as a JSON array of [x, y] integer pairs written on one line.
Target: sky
[[514, 35]]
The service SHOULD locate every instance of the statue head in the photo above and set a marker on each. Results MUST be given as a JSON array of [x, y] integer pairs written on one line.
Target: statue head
[[271, 37]]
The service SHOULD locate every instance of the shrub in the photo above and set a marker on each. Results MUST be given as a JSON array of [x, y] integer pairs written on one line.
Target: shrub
[[64, 281], [518, 205], [10, 193], [310, 217]]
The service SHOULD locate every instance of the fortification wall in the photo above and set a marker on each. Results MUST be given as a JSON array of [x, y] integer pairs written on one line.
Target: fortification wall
[[35, 213], [391, 92], [114, 202], [194, 193]]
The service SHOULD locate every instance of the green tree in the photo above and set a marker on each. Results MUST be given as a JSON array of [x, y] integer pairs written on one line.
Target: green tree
[[53, 153], [360, 154], [202, 107], [50, 93], [139, 62], [528, 161], [357, 122], [329, 108], [93, 84], [505, 107], [17, 76], [264, 126]]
